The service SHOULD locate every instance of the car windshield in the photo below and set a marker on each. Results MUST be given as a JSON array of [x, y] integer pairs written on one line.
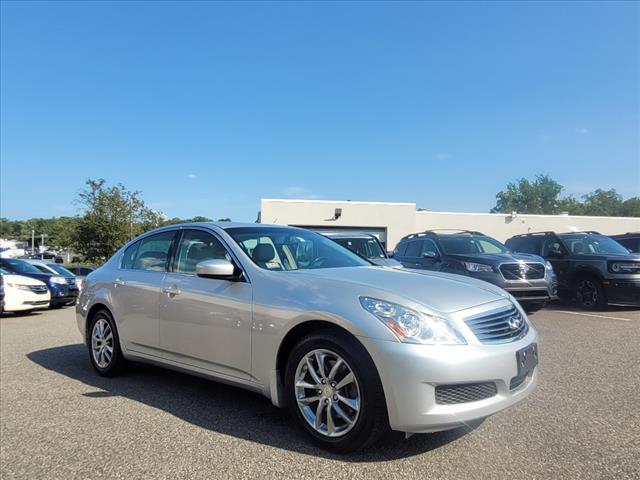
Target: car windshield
[[19, 266], [365, 247], [470, 244], [60, 269], [292, 249], [589, 244]]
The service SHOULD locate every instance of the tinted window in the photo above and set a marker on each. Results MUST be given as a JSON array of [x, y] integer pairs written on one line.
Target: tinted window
[[195, 247], [527, 244], [365, 247], [631, 244], [129, 255], [429, 246], [19, 266], [292, 249], [401, 249], [470, 244], [153, 252], [60, 269], [43, 269], [581, 244], [414, 249]]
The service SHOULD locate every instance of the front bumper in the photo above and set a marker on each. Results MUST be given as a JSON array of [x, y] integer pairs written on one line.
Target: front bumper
[[410, 374], [623, 292]]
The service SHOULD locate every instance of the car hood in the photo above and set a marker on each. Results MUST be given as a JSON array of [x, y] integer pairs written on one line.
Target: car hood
[[21, 279], [438, 291], [497, 258], [386, 262]]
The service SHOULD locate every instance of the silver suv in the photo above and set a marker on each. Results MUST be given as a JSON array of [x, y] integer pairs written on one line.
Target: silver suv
[[352, 349]]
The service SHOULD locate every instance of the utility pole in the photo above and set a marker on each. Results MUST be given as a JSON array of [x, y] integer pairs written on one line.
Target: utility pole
[[42, 248], [130, 216], [33, 242]]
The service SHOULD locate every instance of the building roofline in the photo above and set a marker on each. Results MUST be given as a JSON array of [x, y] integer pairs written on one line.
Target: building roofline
[[355, 202]]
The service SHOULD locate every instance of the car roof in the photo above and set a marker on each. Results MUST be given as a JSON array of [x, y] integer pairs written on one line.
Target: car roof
[[346, 234]]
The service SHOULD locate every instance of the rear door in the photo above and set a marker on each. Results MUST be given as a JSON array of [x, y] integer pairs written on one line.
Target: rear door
[[136, 291], [205, 322], [412, 257]]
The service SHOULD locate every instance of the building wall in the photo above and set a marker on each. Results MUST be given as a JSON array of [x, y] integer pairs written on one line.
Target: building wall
[[400, 219]]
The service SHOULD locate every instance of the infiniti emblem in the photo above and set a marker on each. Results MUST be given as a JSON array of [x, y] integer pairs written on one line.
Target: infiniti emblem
[[514, 322]]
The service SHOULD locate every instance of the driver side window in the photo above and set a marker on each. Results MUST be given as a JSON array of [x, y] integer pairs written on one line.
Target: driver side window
[[196, 246]]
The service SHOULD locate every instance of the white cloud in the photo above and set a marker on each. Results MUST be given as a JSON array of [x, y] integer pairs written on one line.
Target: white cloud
[[299, 192], [192, 176]]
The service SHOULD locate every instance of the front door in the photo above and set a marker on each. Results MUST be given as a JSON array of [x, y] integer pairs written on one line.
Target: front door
[[205, 322]]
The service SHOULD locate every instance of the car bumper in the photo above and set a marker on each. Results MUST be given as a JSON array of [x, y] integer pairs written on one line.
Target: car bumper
[[411, 373], [623, 292]]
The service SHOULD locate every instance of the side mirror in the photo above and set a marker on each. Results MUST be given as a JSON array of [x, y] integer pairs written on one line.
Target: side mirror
[[217, 268], [430, 255]]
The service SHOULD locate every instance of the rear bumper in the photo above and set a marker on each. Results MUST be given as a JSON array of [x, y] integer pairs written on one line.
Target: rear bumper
[[411, 373]]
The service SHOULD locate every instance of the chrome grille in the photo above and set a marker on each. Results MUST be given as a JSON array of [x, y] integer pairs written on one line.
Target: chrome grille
[[522, 271], [39, 289], [501, 327], [464, 392]]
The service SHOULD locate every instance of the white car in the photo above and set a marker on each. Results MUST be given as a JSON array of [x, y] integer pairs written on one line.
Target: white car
[[23, 294]]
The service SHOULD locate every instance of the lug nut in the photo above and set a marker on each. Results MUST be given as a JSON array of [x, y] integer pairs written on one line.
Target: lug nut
[[326, 401], [323, 381], [333, 384]]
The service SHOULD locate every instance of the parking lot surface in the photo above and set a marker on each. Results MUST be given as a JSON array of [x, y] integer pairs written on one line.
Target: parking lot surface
[[60, 420]]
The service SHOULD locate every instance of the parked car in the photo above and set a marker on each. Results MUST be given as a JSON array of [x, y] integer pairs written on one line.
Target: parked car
[[47, 266], [630, 241], [51, 256], [22, 294], [591, 268], [81, 273], [352, 349], [365, 245], [62, 291], [527, 277]]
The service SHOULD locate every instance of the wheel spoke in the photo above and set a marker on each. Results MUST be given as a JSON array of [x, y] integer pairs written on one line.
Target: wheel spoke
[[319, 409], [108, 337], [320, 360], [334, 369], [309, 400], [303, 384], [348, 378], [350, 402], [331, 427], [312, 371], [342, 413]]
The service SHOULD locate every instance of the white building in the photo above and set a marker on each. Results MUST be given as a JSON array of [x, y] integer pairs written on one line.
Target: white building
[[391, 221]]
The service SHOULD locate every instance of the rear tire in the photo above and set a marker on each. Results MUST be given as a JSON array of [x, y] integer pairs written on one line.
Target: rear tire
[[104, 345], [590, 293], [348, 399]]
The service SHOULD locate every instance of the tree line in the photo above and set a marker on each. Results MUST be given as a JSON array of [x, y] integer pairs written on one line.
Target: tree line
[[111, 215], [544, 196]]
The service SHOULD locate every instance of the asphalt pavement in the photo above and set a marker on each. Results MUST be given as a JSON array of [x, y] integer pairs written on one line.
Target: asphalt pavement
[[58, 419]]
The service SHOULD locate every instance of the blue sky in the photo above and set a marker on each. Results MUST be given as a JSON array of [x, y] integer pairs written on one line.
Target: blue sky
[[208, 107]]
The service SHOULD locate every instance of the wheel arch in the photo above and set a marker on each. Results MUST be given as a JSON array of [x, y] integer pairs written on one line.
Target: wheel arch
[[289, 340]]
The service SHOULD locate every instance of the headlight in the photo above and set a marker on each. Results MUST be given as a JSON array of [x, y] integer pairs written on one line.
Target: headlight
[[61, 280], [478, 267], [410, 326], [548, 265], [624, 267], [19, 287]]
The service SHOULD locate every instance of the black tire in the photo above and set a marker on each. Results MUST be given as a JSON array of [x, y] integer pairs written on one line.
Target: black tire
[[533, 307], [372, 420], [117, 363], [590, 293]]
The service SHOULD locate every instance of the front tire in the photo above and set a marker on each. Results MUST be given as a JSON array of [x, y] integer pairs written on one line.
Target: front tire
[[104, 345], [334, 392], [590, 293]]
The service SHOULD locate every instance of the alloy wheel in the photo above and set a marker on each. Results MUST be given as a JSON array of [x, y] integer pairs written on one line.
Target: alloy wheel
[[327, 393], [588, 293], [102, 343]]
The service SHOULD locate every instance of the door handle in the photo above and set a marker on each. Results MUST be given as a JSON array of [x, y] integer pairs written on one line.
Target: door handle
[[171, 291], [119, 281]]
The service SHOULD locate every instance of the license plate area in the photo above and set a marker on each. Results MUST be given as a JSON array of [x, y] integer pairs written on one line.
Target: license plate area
[[527, 359]]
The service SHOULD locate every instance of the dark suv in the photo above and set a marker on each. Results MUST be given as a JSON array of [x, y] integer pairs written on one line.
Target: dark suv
[[365, 245], [527, 277], [630, 241], [591, 268]]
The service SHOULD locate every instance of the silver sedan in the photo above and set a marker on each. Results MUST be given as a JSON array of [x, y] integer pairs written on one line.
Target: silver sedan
[[352, 349]]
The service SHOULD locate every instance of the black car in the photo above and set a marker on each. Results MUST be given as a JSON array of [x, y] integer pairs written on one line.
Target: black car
[[592, 268], [527, 277], [631, 241], [64, 290]]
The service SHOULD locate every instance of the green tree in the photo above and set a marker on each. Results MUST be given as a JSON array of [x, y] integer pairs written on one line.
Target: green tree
[[112, 216], [540, 196]]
